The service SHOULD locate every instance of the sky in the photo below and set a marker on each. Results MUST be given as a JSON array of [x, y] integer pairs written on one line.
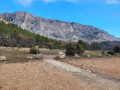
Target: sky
[[104, 14]]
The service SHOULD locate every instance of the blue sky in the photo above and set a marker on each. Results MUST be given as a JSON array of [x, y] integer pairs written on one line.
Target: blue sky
[[104, 14]]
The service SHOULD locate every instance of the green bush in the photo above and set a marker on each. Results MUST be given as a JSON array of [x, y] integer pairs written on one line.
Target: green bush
[[94, 46], [111, 52], [34, 51], [116, 49], [72, 49], [79, 49], [83, 44]]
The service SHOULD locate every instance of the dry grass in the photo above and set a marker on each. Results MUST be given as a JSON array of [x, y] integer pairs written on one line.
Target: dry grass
[[21, 54], [50, 52], [15, 56], [93, 55], [109, 67]]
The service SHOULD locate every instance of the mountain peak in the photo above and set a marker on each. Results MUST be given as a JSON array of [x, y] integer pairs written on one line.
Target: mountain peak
[[56, 29]]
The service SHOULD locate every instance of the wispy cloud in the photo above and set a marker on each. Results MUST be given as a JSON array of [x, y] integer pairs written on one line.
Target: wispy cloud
[[72, 1], [112, 1], [28, 2], [25, 2], [47, 1], [102, 1]]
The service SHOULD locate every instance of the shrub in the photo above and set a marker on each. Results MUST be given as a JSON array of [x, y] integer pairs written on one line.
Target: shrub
[[116, 49], [111, 52], [34, 51], [94, 46], [73, 48], [79, 49], [70, 49], [83, 44]]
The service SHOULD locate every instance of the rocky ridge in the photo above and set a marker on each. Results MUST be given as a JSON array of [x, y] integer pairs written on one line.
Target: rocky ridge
[[56, 29]]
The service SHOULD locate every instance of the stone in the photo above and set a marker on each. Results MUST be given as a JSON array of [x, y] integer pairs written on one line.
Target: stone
[[29, 57], [39, 56], [88, 70], [108, 55], [99, 55], [76, 56], [3, 58], [87, 55], [61, 55]]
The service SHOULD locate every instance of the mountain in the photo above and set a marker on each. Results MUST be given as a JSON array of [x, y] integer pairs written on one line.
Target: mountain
[[13, 35], [2, 20], [56, 29]]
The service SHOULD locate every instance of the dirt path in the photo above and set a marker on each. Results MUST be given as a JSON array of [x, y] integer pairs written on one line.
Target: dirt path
[[40, 75], [104, 83], [109, 67]]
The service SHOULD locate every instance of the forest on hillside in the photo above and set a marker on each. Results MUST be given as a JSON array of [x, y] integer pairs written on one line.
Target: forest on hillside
[[15, 36]]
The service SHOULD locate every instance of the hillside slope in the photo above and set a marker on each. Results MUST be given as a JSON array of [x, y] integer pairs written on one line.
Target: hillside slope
[[12, 35], [60, 30]]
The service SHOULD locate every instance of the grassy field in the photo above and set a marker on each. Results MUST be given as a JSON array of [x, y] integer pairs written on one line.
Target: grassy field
[[92, 54], [21, 54], [14, 56]]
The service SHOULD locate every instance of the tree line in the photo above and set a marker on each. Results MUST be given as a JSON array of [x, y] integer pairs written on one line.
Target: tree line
[[12, 35]]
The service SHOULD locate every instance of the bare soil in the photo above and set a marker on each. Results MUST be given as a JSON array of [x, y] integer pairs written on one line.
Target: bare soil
[[109, 67], [39, 75], [87, 75]]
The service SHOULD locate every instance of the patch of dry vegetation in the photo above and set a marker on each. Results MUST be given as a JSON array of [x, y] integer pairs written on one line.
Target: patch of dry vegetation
[[93, 55], [21, 54], [14, 56]]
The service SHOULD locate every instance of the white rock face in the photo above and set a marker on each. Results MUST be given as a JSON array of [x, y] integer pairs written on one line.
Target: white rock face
[[60, 30], [1, 19]]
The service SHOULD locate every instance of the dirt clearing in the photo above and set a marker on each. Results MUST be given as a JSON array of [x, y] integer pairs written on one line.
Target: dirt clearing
[[39, 75], [109, 67]]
